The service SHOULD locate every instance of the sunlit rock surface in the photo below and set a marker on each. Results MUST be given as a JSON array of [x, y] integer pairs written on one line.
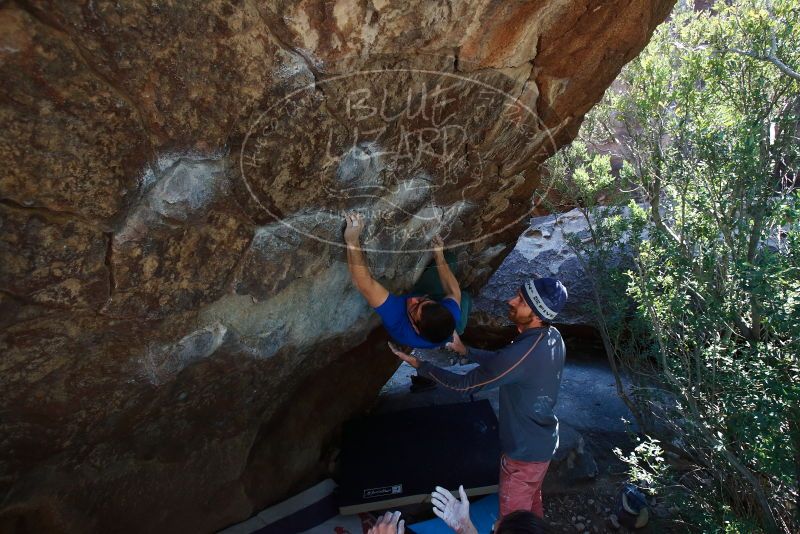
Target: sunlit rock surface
[[542, 251], [180, 340]]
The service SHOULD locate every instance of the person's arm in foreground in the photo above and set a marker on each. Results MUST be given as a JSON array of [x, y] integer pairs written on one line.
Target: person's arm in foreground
[[451, 510], [491, 373], [476, 355], [373, 291], [446, 276], [388, 524]]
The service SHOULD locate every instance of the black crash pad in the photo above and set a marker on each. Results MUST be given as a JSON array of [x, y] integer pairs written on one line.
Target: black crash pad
[[395, 459]]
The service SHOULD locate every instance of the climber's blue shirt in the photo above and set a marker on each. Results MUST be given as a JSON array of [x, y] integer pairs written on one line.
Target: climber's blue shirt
[[394, 315]]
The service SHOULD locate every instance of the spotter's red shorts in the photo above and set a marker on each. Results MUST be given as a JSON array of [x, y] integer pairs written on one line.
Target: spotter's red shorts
[[521, 486]]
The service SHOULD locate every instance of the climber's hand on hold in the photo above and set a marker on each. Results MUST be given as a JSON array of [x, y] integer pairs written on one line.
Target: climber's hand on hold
[[438, 245], [354, 225], [389, 523], [446, 276], [410, 360], [457, 345]]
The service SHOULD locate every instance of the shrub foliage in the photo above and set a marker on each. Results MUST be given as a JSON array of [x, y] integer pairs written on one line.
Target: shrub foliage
[[693, 254]]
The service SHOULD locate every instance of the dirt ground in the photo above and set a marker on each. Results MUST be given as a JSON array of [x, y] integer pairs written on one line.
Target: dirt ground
[[592, 509]]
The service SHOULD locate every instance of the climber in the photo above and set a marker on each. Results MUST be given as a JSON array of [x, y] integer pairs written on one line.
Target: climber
[[415, 320], [528, 373]]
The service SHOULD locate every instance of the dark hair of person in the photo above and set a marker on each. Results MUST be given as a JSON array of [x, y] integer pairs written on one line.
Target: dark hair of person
[[436, 323], [522, 522]]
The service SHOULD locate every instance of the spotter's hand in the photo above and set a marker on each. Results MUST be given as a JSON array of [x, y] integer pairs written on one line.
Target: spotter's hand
[[410, 360]]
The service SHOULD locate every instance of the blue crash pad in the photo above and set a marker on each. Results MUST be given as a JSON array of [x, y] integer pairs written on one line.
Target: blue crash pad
[[483, 513]]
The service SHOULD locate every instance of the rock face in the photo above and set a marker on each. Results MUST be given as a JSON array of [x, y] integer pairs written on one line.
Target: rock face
[[542, 251], [180, 339]]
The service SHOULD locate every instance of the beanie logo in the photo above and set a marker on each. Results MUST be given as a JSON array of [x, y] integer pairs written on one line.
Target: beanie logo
[[537, 301]]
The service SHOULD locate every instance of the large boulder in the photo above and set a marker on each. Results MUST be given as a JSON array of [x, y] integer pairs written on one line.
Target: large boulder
[[545, 250], [542, 251], [180, 338]]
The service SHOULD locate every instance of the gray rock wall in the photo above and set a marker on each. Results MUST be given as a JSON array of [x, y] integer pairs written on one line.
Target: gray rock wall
[[542, 251]]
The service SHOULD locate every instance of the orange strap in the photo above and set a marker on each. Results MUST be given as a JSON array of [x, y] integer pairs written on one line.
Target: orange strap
[[495, 378]]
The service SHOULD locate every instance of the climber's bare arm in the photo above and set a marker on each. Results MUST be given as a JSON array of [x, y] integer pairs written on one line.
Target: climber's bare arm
[[373, 291], [446, 276]]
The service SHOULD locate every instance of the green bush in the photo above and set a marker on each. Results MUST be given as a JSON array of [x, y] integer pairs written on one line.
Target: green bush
[[706, 316]]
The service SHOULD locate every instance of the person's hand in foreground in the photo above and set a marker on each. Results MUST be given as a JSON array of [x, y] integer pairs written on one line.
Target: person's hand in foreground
[[388, 524], [413, 361], [352, 232], [457, 345], [454, 512]]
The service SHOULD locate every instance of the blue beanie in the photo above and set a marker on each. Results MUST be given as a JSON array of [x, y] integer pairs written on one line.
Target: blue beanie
[[545, 296]]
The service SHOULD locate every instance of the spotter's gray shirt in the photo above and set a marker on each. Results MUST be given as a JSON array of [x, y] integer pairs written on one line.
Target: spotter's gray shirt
[[528, 377]]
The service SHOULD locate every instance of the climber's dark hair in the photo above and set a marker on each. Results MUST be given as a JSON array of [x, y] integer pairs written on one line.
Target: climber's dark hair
[[522, 522], [436, 323]]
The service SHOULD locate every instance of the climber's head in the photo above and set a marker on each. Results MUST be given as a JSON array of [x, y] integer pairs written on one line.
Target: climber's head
[[430, 319]]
